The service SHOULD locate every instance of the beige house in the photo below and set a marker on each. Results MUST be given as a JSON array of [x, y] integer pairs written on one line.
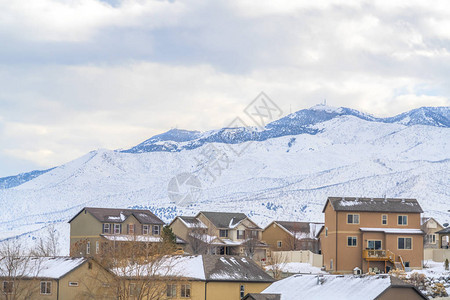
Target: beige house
[[348, 287], [50, 278], [92, 228], [202, 277], [221, 233], [371, 234], [431, 227], [291, 236]]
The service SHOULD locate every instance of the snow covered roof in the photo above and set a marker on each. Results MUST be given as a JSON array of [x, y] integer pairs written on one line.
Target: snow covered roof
[[138, 238], [192, 222], [41, 267], [301, 230], [201, 267], [395, 205], [393, 230], [225, 219], [118, 215], [444, 231], [345, 287], [253, 296]]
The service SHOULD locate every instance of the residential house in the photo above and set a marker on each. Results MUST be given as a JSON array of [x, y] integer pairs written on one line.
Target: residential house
[[371, 234], [343, 287], [430, 227], [288, 236], [51, 278], [93, 228], [254, 296], [202, 277], [221, 233]]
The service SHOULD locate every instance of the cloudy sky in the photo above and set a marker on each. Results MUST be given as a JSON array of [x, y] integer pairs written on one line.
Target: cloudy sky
[[78, 75]]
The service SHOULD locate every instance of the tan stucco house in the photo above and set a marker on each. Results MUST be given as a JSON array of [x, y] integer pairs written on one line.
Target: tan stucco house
[[288, 236], [348, 287], [94, 227], [51, 278], [431, 227], [371, 234], [221, 233]]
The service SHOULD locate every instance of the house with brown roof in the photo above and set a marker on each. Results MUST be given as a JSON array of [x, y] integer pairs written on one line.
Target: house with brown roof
[[291, 236], [221, 233], [431, 227], [94, 227], [371, 234]]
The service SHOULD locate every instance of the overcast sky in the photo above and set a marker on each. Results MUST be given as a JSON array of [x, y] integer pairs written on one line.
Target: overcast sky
[[78, 75]]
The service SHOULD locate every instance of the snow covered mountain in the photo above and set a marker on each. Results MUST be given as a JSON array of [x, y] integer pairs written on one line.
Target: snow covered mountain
[[284, 171]]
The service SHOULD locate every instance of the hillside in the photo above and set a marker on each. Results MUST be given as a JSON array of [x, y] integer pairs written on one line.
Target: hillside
[[285, 171]]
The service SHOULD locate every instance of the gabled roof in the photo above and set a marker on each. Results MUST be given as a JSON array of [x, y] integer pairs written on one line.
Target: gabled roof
[[225, 219], [42, 267], [253, 296], [190, 222], [348, 287], [302, 230], [444, 231], [395, 205], [119, 215]]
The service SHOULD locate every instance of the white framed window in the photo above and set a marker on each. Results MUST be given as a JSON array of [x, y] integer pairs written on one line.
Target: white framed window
[[352, 241], [117, 228], [46, 287], [279, 244], [185, 291], [242, 291], [88, 247], [384, 219], [404, 243], [73, 283], [97, 247], [402, 220], [8, 287], [145, 229], [130, 228], [223, 233], [352, 219], [431, 238], [156, 229], [171, 291], [240, 234], [107, 228]]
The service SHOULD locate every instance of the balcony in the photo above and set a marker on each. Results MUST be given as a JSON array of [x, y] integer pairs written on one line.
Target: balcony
[[378, 255]]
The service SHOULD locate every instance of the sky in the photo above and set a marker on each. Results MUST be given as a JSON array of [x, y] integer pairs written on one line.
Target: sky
[[79, 75]]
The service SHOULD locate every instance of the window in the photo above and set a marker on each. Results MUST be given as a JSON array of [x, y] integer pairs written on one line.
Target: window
[[185, 291], [240, 234], [106, 228], [253, 234], [117, 228], [384, 219], [405, 243], [279, 244], [331, 264], [132, 289], [402, 220], [145, 229], [352, 219], [8, 287], [97, 247], [46, 287], [431, 238], [351, 241], [130, 228], [155, 229], [90, 265], [73, 283], [223, 233], [374, 245], [242, 291], [326, 231], [171, 291], [88, 247]]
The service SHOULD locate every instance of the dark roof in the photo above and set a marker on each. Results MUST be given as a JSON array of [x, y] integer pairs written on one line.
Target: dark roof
[[233, 268], [225, 220], [444, 231], [192, 221], [395, 205], [253, 296], [118, 215]]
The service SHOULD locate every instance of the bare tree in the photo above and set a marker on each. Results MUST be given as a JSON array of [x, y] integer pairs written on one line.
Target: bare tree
[[199, 239], [47, 245], [252, 243], [276, 263]]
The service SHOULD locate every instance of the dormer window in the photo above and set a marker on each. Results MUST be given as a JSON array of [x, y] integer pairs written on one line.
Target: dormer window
[[156, 230]]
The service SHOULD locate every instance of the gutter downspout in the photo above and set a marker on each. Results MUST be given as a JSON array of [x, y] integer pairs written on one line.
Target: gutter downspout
[[206, 282], [335, 263], [57, 289]]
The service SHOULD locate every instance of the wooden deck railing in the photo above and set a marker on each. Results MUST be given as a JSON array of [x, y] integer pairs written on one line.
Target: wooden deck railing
[[378, 255]]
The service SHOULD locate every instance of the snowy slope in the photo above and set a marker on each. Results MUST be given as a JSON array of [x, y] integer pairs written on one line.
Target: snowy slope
[[286, 177]]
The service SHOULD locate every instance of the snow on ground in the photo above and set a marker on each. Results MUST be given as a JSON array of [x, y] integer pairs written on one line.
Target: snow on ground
[[296, 267], [432, 269]]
